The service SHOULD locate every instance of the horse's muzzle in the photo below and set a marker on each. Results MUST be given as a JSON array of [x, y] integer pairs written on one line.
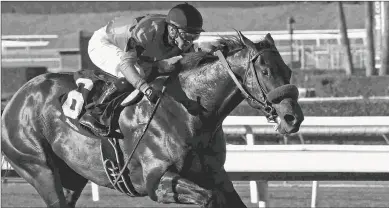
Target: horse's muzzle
[[290, 114], [280, 93]]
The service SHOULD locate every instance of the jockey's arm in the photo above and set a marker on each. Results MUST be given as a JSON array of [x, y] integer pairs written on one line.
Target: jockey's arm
[[127, 68]]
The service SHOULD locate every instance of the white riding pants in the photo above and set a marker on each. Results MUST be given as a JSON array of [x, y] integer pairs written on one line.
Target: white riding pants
[[105, 55]]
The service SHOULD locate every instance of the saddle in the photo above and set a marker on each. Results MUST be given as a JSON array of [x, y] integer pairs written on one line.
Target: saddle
[[90, 85]]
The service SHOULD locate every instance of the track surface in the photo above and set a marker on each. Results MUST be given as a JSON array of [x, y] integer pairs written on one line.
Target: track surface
[[290, 194]]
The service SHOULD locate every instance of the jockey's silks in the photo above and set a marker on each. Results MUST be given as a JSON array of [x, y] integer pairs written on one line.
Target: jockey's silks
[[147, 32]]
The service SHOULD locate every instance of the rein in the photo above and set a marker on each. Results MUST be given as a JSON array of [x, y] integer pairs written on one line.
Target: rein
[[265, 104]]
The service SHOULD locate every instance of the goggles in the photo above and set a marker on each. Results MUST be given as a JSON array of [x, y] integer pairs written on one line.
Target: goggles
[[188, 37], [185, 36]]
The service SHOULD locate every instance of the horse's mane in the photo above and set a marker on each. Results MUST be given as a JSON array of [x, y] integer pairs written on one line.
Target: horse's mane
[[229, 45], [225, 44]]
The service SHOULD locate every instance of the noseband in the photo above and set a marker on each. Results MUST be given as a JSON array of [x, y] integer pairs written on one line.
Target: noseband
[[264, 104]]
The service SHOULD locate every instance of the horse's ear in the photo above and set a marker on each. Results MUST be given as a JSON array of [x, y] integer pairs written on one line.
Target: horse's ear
[[269, 39], [246, 41]]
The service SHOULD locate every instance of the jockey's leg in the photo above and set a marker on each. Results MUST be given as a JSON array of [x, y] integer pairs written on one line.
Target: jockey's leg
[[93, 118], [106, 56]]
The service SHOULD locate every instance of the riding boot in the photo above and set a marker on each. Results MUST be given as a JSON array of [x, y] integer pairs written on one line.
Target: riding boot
[[92, 117]]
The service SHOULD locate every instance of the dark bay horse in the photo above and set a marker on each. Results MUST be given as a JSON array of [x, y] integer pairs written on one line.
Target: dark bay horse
[[181, 158]]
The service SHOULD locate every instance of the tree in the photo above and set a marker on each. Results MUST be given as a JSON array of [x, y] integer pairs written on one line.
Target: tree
[[345, 40], [370, 53], [384, 70]]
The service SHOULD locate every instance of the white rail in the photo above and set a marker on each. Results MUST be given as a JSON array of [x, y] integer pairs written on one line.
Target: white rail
[[16, 43], [30, 60], [305, 158], [316, 35], [321, 121], [331, 99], [359, 32], [25, 41], [27, 37], [313, 126]]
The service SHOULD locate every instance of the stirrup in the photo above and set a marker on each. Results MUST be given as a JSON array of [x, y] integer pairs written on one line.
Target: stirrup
[[132, 98], [92, 124], [107, 94]]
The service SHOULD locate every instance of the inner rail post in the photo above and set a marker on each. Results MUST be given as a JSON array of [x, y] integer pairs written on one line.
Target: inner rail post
[[258, 189]]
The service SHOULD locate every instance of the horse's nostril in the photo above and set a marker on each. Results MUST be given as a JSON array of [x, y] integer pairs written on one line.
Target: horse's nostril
[[289, 119]]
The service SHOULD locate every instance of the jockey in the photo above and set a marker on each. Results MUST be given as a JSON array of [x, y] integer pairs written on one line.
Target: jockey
[[118, 47]]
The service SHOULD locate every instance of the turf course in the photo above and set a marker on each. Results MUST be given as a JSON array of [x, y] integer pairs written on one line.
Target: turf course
[[294, 194]]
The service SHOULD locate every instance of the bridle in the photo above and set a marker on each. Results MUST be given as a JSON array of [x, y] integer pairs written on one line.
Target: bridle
[[264, 104]]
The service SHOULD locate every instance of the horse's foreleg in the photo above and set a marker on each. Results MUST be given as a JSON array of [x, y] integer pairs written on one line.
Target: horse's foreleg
[[224, 185], [173, 188], [72, 182], [72, 196]]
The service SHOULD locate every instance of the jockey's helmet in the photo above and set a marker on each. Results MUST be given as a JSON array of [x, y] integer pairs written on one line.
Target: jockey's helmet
[[185, 17]]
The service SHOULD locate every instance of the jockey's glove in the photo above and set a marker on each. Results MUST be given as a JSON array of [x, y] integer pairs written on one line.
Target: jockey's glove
[[152, 94]]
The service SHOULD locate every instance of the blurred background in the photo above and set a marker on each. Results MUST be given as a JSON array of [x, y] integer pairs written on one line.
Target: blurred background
[[311, 36], [338, 52]]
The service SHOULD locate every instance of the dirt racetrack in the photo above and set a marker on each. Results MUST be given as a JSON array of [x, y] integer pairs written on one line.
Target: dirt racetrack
[[290, 194]]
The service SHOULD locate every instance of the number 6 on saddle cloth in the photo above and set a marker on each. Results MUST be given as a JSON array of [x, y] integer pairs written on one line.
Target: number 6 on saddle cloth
[[90, 85]]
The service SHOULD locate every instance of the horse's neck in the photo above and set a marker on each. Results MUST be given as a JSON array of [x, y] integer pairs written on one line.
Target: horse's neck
[[213, 88]]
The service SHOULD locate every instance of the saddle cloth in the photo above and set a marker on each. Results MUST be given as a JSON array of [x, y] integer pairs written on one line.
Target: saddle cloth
[[90, 84]]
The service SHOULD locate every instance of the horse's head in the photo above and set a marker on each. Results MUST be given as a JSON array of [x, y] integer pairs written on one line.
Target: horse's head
[[267, 84]]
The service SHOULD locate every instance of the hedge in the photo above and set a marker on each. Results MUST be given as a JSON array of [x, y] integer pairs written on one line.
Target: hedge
[[15, 77], [303, 77], [343, 86], [334, 83]]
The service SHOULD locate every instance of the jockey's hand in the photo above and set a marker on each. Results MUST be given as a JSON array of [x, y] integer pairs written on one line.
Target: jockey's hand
[[153, 94]]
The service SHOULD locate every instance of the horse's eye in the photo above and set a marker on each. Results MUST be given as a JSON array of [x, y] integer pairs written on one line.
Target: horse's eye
[[265, 72]]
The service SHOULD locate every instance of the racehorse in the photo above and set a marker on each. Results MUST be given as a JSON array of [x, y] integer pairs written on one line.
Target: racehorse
[[181, 157]]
